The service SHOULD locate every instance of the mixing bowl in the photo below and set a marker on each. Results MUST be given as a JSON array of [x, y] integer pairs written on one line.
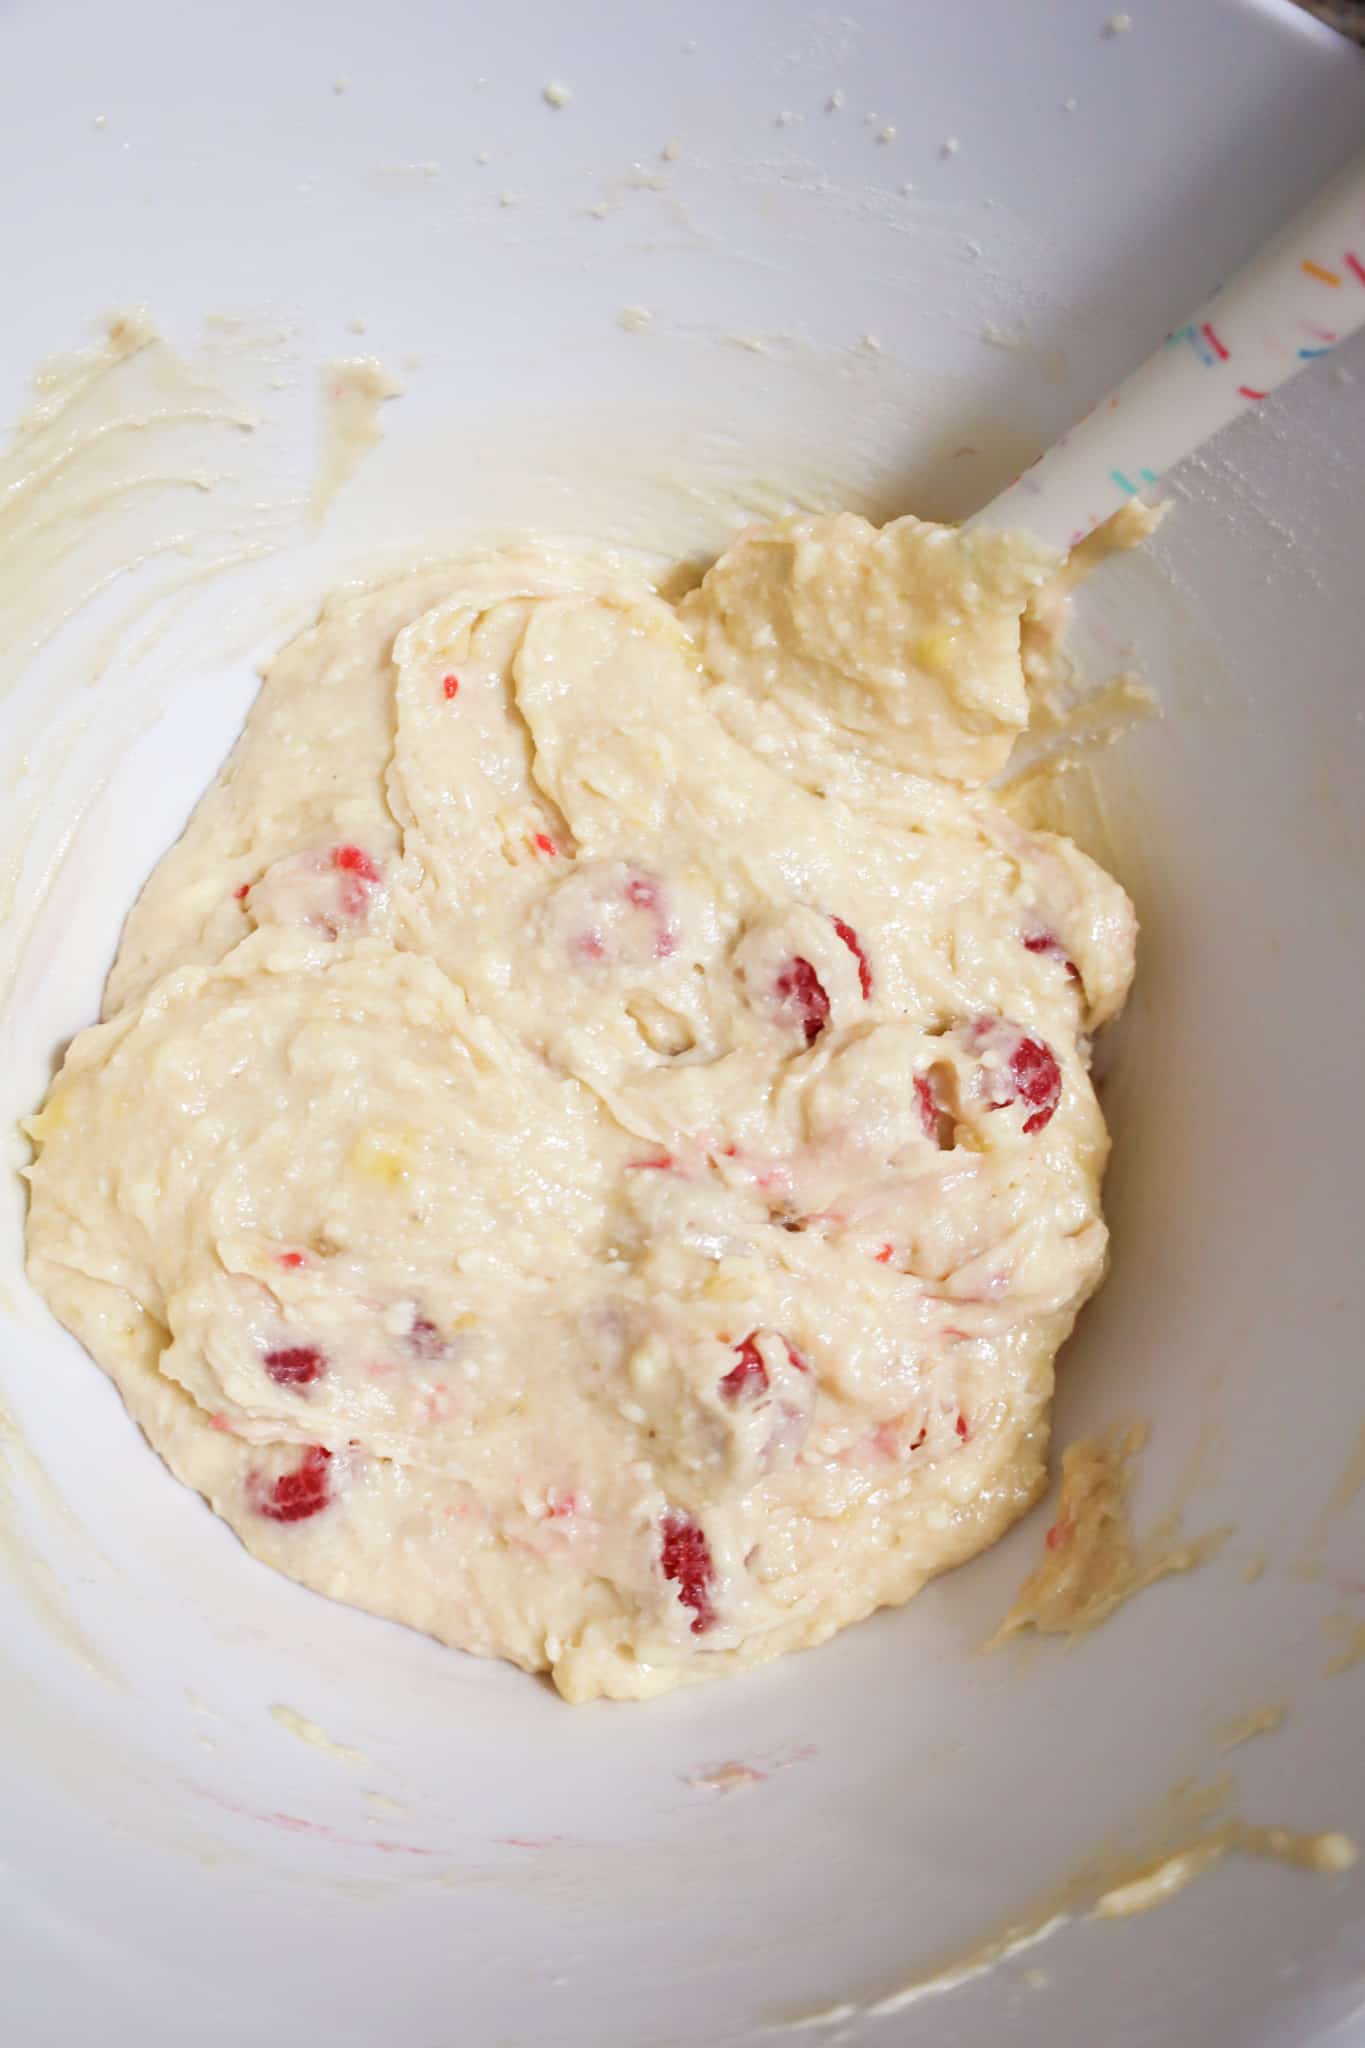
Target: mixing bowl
[[752, 256]]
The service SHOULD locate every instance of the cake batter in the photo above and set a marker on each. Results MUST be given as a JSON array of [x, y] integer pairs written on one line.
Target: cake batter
[[589, 1150]]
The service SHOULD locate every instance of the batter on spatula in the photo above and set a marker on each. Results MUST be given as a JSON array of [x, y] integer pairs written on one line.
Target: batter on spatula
[[589, 1151]]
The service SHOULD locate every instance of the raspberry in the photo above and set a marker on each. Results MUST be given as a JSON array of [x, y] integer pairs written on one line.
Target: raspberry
[[544, 844], [799, 989], [353, 860], [1059, 1534], [936, 1120], [686, 1559], [425, 1339], [296, 1495], [1029, 1075], [358, 874], [643, 892], [1037, 1080], [292, 1259], [450, 685], [928, 1108], [750, 1376], [854, 944], [1049, 943], [295, 1365], [242, 891], [963, 1431]]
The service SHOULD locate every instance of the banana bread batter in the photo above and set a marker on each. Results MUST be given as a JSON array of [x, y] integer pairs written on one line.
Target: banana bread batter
[[589, 1150]]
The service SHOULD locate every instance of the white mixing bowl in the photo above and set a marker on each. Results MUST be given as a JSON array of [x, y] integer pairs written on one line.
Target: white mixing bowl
[[495, 1867]]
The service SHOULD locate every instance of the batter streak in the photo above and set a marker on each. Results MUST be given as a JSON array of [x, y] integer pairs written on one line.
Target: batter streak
[[589, 1150]]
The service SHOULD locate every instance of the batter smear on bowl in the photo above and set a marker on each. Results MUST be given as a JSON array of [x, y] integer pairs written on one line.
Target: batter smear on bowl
[[590, 1150]]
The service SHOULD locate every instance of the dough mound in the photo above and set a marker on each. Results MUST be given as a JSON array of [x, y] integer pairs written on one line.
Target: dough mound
[[589, 1150]]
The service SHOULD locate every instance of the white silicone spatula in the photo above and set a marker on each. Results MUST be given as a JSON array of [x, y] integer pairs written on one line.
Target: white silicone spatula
[[1304, 292]]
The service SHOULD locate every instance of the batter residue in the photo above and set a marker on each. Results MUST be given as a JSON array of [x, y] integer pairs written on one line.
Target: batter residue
[[590, 1149], [1091, 1563]]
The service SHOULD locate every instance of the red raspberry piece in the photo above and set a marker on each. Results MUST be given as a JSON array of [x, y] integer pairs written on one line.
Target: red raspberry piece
[[425, 1339], [242, 891], [855, 947], [935, 1119], [1037, 1080], [643, 892], [353, 860], [686, 1559], [750, 1376], [292, 1259], [358, 875], [963, 1431], [450, 685], [1058, 1535], [799, 989], [1048, 942], [544, 844], [928, 1108], [1030, 1074], [296, 1495], [295, 1365]]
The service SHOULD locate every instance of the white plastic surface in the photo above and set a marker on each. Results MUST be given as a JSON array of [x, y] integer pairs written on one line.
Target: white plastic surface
[[177, 1866], [1296, 299]]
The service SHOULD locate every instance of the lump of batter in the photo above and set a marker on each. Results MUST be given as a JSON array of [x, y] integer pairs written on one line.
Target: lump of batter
[[589, 1151]]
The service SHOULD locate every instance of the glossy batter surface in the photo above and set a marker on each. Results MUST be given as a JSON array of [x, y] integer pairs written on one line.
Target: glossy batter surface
[[590, 1151]]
